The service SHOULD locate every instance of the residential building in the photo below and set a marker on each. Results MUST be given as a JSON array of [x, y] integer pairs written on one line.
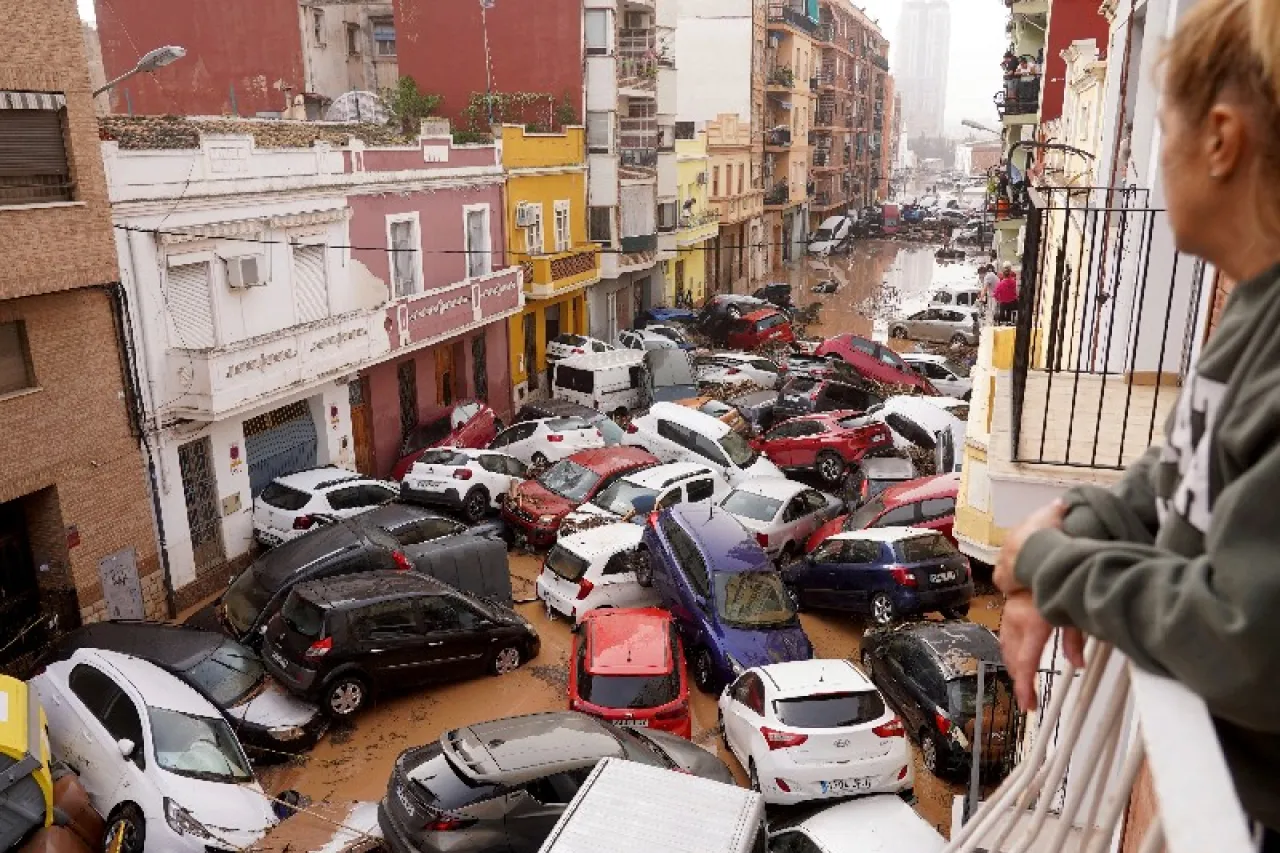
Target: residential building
[[248, 57], [546, 227], [740, 255], [77, 540], [699, 227], [298, 295], [792, 61], [921, 65]]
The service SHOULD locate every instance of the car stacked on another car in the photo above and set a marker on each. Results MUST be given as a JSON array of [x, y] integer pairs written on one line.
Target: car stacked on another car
[[553, 407], [719, 409], [765, 327], [466, 424], [949, 377], [290, 506], [628, 668], [956, 326], [635, 495], [928, 502], [470, 481], [807, 395], [342, 641], [674, 433], [781, 514], [734, 368], [672, 333], [645, 339], [722, 310], [874, 361], [563, 346], [827, 443], [593, 569], [542, 441], [814, 730]]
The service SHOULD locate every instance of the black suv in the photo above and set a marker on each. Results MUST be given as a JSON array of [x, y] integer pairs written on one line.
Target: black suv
[[806, 395], [928, 673], [340, 641]]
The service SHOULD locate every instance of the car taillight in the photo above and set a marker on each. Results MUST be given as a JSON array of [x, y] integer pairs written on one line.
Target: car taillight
[[584, 588], [653, 520], [893, 728], [781, 740], [462, 474], [401, 561], [732, 371], [903, 577], [303, 522], [555, 439], [902, 774], [319, 648], [865, 491], [943, 721], [675, 712], [883, 435], [632, 429], [763, 539], [578, 352], [782, 785], [449, 823]]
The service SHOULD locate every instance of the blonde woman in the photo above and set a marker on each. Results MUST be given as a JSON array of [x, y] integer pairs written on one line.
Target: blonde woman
[[1179, 565]]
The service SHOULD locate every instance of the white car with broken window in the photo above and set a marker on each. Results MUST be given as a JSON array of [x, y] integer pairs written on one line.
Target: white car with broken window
[[545, 440], [781, 513], [644, 491]]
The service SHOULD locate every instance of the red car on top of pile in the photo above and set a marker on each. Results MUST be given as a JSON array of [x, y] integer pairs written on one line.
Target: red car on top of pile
[[928, 502], [874, 361], [828, 442], [466, 424]]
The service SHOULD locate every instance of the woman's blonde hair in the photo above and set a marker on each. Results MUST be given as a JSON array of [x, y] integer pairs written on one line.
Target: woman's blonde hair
[[1227, 49]]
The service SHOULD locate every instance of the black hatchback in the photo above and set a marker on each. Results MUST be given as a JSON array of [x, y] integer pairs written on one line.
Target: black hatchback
[[341, 641], [807, 395]]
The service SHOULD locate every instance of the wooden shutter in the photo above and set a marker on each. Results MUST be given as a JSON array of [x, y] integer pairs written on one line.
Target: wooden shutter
[[33, 157], [310, 283], [190, 311]]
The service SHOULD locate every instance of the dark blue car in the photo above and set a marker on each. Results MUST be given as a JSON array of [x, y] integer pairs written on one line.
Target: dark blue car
[[661, 316], [727, 598], [884, 572]]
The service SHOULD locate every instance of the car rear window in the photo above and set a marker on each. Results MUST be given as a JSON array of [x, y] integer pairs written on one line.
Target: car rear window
[[567, 424], [751, 505], [920, 548], [830, 710], [444, 457], [570, 340], [284, 497], [566, 564], [800, 385], [626, 691], [715, 408], [303, 616], [443, 787], [861, 518]]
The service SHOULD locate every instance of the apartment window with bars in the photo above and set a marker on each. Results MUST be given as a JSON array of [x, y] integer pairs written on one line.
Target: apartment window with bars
[[35, 167], [533, 240]]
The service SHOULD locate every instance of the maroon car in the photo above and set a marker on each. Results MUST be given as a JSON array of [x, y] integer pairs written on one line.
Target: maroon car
[[538, 506], [466, 424], [826, 443], [874, 361]]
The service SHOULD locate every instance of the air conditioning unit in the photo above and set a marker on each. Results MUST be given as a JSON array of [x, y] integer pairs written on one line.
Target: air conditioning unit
[[702, 177], [526, 215], [245, 271]]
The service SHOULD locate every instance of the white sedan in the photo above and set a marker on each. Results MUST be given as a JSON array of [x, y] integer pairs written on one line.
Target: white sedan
[[948, 377], [814, 730], [546, 440], [781, 513], [471, 481], [156, 758], [563, 346], [290, 506]]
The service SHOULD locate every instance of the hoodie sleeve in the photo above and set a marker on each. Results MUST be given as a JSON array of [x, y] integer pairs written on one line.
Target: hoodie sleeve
[[1125, 512], [1208, 622]]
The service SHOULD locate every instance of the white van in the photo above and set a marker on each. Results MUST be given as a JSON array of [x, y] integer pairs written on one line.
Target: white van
[[956, 296], [604, 381], [832, 234], [628, 807]]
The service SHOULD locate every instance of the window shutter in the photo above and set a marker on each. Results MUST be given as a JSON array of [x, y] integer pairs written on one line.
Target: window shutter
[[310, 284], [187, 298], [33, 157]]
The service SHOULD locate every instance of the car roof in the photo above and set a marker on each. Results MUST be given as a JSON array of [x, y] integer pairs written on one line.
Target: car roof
[[807, 677], [886, 534], [610, 460], [315, 479], [395, 514], [708, 425], [923, 488], [761, 314], [956, 646], [780, 488], [661, 476], [881, 823], [629, 642], [554, 407], [365, 587], [598, 360], [159, 689], [604, 539], [291, 558], [724, 541], [518, 748], [171, 646]]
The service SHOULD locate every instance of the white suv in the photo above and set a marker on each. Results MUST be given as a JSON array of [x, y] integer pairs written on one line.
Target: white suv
[[643, 339], [471, 481], [546, 440], [592, 569], [563, 346], [948, 377], [646, 491], [288, 506], [814, 730], [675, 433]]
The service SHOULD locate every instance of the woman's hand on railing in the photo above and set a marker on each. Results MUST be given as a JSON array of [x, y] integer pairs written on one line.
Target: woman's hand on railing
[[1023, 635]]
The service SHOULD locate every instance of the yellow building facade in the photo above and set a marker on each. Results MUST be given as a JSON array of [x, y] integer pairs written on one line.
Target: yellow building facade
[[699, 224], [546, 219]]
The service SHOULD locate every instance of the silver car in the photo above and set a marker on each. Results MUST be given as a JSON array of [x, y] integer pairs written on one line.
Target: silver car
[[781, 513], [502, 785], [942, 325]]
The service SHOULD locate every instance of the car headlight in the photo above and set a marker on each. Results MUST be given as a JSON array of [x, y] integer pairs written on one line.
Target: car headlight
[[546, 519], [286, 732], [181, 821], [737, 668]]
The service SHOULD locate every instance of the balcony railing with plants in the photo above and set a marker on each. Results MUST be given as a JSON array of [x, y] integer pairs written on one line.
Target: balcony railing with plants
[[781, 75], [638, 57], [780, 13], [779, 195], [689, 221], [778, 138]]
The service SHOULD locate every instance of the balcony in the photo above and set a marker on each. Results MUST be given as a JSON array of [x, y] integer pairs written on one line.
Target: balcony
[[880, 62], [734, 209], [782, 16], [550, 275], [780, 78], [642, 243], [778, 197], [637, 57], [778, 139], [1019, 101], [698, 227], [638, 147]]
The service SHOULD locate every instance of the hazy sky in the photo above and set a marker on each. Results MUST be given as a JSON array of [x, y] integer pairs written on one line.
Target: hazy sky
[[977, 43]]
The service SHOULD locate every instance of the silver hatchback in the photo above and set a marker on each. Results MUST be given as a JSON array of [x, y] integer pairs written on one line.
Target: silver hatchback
[[939, 324]]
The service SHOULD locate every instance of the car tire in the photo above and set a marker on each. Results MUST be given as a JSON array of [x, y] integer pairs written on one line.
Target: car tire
[[130, 820], [345, 696], [899, 332], [830, 466], [929, 754], [476, 504], [704, 671], [959, 341], [956, 612], [506, 660], [644, 568], [883, 611], [539, 460]]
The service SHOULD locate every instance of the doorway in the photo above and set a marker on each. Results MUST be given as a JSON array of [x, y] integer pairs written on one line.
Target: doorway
[[445, 373], [407, 382], [200, 492], [531, 349], [283, 441], [361, 427]]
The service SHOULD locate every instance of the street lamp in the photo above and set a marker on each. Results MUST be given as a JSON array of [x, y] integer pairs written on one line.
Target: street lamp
[[968, 122], [153, 60]]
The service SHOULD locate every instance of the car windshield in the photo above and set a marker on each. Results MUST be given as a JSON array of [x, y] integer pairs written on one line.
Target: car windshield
[[568, 565], [619, 497], [715, 408], [822, 235], [282, 497], [444, 456], [928, 547], [750, 505], [830, 710], [754, 600], [740, 453], [961, 370], [244, 600], [463, 413], [228, 675], [569, 480], [567, 424], [199, 747], [862, 517], [962, 693], [569, 340]]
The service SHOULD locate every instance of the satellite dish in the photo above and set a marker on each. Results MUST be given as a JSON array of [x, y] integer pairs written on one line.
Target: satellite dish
[[363, 107]]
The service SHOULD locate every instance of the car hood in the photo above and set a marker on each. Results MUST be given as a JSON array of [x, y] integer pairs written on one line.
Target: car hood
[[688, 756], [535, 498], [753, 647], [239, 814], [762, 467], [273, 706]]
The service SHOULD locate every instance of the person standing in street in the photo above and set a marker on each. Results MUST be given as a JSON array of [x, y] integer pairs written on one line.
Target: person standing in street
[[1176, 565]]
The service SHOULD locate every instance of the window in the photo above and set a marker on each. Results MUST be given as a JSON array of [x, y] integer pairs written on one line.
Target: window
[[934, 508], [479, 257], [317, 26], [899, 517], [715, 181], [670, 499], [310, 283], [563, 237], [189, 306], [667, 216], [427, 529], [384, 36], [672, 431], [533, 240], [353, 39], [596, 27], [794, 841], [740, 178], [352, 497], [404, 241], [700, 490], [15, 358], [440, 614], [389, 620], [601, 224], [34, 168], [599, 125]]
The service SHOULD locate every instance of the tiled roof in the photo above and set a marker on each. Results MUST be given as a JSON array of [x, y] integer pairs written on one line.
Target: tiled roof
[[140, 133]]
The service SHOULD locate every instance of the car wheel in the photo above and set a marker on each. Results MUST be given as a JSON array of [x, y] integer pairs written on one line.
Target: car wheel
[[956, 612], [345, 696], [128, 822], [883, 612], [704, 673], [475, 504], [733, 312], [506, 660], [539, 460], [929, 752], [959, 341], [794, 595], [644, 568], [899, 332], [830, 467]]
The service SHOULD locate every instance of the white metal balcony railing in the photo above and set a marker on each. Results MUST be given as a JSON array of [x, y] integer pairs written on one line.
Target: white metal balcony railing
[[1070, 792]]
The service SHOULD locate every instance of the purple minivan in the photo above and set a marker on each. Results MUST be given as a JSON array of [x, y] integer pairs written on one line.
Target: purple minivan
[[727, 598]]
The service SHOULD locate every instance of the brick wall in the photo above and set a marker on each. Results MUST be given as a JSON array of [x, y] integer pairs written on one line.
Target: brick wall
[[58, 248]]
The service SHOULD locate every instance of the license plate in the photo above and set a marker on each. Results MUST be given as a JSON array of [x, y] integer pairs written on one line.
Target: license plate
[[942, 577], [279, 658], [846, 786], [638, 724]]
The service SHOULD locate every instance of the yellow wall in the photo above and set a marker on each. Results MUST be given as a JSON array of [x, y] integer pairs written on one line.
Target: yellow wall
[[521, 150], [692, 161]]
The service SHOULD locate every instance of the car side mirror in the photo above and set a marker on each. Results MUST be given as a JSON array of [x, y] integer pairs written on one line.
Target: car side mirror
[[126, 747]]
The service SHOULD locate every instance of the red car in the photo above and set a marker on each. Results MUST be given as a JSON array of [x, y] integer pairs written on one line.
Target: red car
[[628, 668], [874, 361], [927, 502], [538, 506], [766, 326], [466, 424], [826, 442]]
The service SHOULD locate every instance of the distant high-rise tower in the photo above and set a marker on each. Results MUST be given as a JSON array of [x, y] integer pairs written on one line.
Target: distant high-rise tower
[[921, 59]]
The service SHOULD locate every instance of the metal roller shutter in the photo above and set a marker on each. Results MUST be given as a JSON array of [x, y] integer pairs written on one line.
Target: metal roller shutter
[[280, 442], [310, 290]]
